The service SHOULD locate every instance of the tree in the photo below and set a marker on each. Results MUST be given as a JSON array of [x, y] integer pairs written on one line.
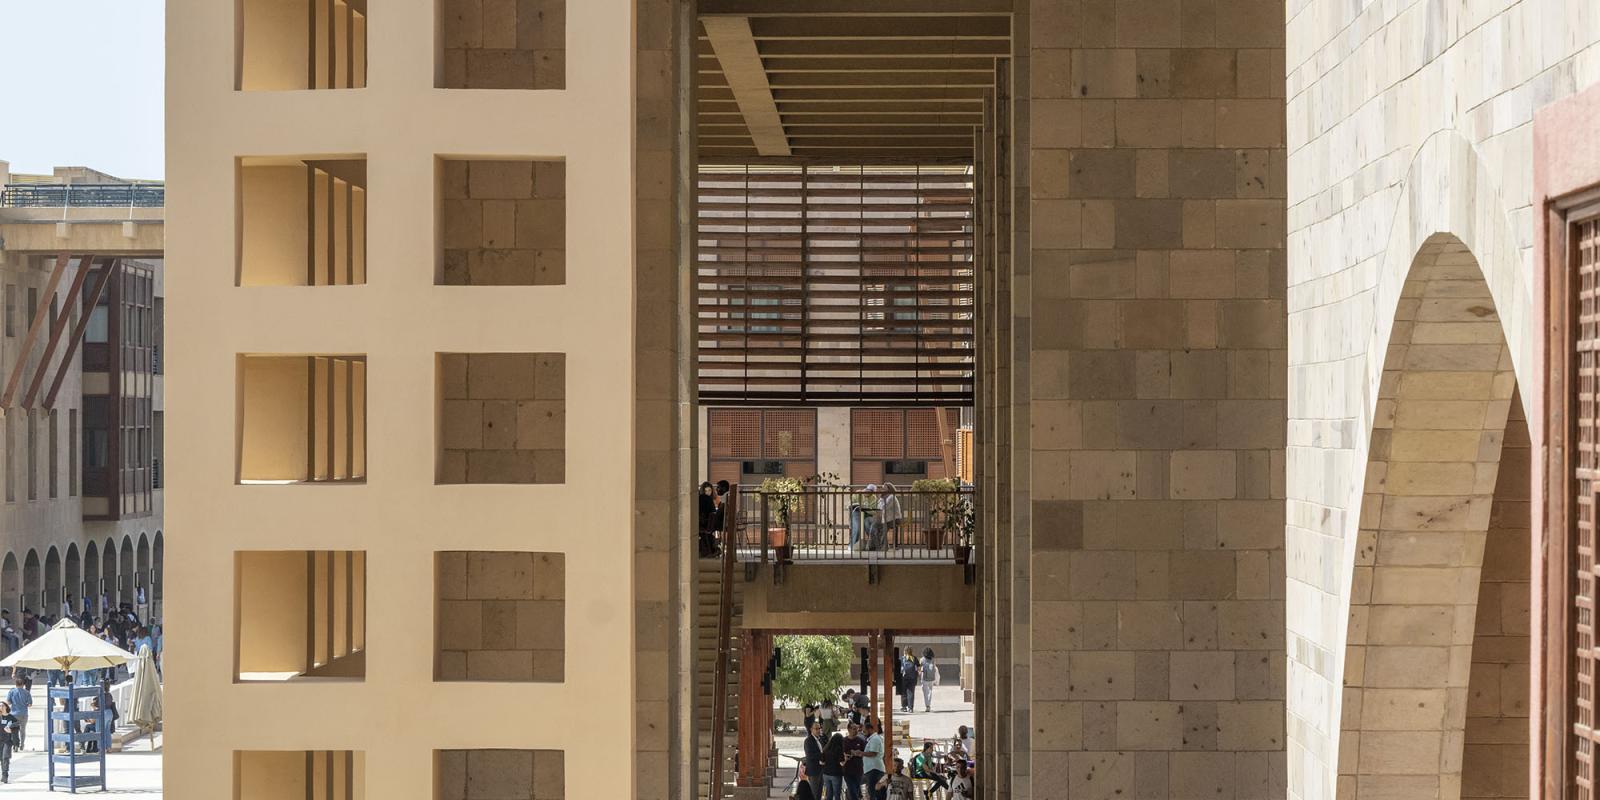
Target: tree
[[813, 667]]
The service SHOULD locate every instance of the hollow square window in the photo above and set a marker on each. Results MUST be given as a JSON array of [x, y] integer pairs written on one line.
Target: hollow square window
[[502, 222], [501, 616], [302, 44], [299, 774], [301, 614], [303, 419], [302, 221], [502, 44], [502, 418]]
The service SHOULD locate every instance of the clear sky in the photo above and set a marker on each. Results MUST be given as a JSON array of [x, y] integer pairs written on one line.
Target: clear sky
[[83, 85]]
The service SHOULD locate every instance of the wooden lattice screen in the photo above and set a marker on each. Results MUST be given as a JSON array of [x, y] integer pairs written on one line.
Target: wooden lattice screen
[[1586, 462], [835, 285]]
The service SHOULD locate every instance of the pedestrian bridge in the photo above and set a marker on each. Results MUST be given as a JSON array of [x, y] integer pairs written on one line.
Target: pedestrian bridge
[[845, 525]]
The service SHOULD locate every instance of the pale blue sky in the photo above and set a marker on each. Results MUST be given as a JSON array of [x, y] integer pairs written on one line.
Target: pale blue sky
[[83, 85]]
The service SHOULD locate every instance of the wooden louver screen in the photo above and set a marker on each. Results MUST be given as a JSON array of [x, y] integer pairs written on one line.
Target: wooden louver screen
[[1586, 458], [835, 285]]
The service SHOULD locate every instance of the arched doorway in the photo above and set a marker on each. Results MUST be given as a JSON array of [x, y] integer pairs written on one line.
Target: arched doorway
[[157, 582], [108, 575], [51, 605], [71, 581], [1443, 486], [141, 590], [32, 582], [90, 588], [11, 588], [125, 571]]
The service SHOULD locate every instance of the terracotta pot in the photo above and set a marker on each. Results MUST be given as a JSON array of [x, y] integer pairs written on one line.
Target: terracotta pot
[[934, 537], [963, 553], [777, 537]]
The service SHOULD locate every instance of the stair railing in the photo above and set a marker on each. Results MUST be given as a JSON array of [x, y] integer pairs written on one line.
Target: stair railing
[[719, 692]]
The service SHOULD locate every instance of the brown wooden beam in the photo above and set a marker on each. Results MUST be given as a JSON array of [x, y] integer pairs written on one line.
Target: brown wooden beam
[[90, 300], [57, 326], [839, 8], [884, 48], [39, 315], [879, 27], [707, 64]]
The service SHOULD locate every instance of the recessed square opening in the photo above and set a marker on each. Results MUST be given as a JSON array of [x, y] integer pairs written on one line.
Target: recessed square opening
[[301, 44], [299, 774], [502, 44], [500, 616], [302, 419], [502, 418], [302, 221], [499, 775], [302, 614], [502, 222]]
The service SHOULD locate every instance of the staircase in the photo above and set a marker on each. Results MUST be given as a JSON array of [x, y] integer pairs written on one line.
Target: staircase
[[708, 585]]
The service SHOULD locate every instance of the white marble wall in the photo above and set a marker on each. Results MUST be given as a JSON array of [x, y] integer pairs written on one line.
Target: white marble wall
[[1406, 118]]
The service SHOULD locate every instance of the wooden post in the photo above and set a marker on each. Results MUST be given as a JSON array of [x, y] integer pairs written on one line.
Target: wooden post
[[719, 683], [889, 670], [755, 709]]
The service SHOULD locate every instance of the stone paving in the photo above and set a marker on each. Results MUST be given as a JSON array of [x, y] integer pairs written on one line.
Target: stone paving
[[135, 773]]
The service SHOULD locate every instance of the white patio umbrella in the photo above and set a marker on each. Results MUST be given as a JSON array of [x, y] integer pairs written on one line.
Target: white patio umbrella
[[69, 648], [144, 704]]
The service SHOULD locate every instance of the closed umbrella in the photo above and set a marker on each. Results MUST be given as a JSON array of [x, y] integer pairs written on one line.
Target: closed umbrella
[[68, 648], [144, 704]]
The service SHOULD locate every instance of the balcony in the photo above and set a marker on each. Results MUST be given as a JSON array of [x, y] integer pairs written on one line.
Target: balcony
[[844, 525]]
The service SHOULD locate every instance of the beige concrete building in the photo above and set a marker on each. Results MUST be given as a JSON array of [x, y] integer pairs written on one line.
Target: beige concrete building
[[81, 256], [1250, 302]]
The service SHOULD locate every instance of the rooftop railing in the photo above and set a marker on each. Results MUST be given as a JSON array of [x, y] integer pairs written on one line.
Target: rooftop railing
[[60, 195], [846, 524]]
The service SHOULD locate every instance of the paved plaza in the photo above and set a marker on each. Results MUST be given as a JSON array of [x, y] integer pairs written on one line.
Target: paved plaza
[[134, 773]]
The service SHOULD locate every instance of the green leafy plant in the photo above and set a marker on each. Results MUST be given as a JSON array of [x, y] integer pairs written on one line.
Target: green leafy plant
[[783, 496], [812, 668], [951, 510]]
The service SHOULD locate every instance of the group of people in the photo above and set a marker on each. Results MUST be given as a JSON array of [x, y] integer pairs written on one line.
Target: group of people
[[713, 502], [914, 673], [855, 765], [846, 757], [120, 626], [874, 517]]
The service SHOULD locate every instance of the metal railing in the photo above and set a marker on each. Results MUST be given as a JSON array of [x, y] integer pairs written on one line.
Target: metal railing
[[61, 195], [846, 524]]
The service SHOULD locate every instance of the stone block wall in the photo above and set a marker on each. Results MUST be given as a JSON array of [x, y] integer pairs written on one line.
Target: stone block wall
[[1406, 122], [503, 223], [503, 44], [501, 616], [500, 775], [1157, 399], [1494, 759], [503, 418]]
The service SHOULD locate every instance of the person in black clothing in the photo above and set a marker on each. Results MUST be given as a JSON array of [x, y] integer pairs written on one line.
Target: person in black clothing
[[8, 740], [833, 768], [855, 745], [814, 747], [909, 675], [802, 789], [708, 513]]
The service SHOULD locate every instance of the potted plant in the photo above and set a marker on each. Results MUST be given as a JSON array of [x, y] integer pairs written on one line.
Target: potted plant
[[944, 509], [966, 520], [782, 496]]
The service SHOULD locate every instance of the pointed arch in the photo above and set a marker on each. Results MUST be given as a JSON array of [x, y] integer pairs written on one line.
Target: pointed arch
[[1432, 481]]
